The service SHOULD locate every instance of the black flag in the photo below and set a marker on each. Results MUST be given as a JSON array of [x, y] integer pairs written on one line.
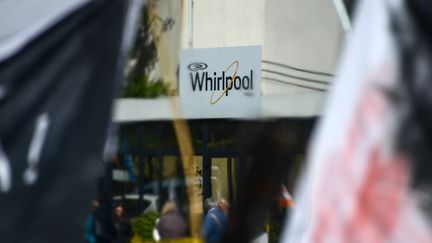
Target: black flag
[[56, 95]]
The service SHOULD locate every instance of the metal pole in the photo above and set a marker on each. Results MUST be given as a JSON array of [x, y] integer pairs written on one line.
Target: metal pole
[[207, 184], [190, 23]]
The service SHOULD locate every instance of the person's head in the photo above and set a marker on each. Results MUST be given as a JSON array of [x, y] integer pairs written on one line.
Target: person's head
[[223, 205], [94, 205], [119, 211], [210, 203], [169, 207]]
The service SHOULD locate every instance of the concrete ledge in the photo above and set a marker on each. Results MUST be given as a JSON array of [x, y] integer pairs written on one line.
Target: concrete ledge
[[305, 104]]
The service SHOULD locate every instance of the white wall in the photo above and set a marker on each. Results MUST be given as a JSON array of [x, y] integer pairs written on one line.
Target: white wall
[[221, 23], [300, 33]]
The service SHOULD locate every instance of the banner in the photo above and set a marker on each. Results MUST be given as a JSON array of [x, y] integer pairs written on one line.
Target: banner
[[356, 186]]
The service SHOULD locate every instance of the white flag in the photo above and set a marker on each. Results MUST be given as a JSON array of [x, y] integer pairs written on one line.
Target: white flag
[[355, 187]]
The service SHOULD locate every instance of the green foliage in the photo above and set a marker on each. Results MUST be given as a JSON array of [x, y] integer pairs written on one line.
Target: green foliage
[[144, 49], [144, 53], [144, 224], [142, 87]]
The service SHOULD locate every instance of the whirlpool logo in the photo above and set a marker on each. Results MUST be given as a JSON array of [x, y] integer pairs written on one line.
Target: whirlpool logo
[[197, 66], [220, 83]]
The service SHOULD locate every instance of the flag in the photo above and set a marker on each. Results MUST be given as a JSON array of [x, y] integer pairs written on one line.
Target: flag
[[356, 186], [60, 68]]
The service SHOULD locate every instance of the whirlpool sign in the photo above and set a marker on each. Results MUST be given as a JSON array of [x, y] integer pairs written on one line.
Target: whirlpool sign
[[221, 82]]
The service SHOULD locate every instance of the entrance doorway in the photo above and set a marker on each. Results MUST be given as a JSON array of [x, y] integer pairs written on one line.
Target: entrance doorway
[[153, 173]]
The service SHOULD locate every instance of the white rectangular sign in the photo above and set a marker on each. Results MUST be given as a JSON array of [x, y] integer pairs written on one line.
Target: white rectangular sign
[[221, 82]]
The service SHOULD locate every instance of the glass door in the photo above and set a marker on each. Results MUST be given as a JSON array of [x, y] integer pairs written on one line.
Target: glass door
[[223, 178]]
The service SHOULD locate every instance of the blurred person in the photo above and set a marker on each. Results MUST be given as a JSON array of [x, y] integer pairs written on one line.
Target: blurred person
[[103, 221], [270, 148], [284, 205], [216, 222], [223, 206], [285, 199], [90, 236], [171, 225], [122, 226]]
